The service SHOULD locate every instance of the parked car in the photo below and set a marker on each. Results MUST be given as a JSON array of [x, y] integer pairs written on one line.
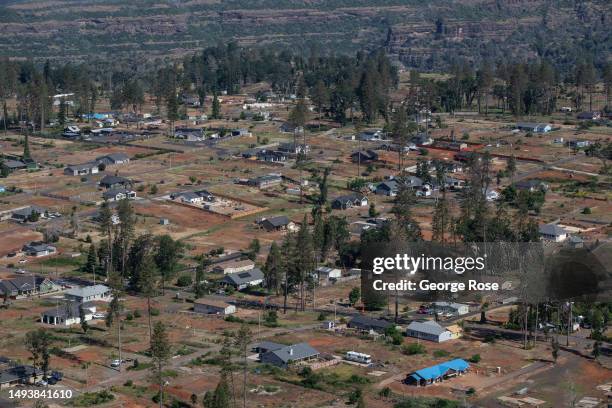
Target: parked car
[[41, 383], [115, 363], [22, 261], [99, 315], [21, 271]]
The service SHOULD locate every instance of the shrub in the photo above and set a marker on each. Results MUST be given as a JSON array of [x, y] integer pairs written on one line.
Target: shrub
[[475, 358], [414, 348], [128, 383], [137, 313], [183, 281], [586, 210], [129, 316], [154, 312]]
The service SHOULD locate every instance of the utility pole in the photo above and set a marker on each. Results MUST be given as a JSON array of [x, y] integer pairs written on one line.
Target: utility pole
[[569, 322]]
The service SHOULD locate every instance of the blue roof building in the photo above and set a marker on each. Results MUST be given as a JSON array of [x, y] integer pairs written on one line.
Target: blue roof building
[[437, 373]]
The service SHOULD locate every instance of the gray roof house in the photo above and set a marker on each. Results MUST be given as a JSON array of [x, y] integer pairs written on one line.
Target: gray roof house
[[118, 194], [388, 188], [114, 181], [24, 214], [12, 373], [81, 169], [369, 324], [68, 313], [428, 330], [13, 165], [187, 197], [534, 127], [245, 279], [113, 159], [89, 294], [348, 201], [553, 232], [275, 223], [37, 248], [532, 185], [287, 355], [23, 286]]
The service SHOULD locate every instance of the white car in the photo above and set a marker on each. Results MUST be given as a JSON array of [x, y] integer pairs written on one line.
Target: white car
[[115, 363], [99, 315], [20, 271], [22, 261]]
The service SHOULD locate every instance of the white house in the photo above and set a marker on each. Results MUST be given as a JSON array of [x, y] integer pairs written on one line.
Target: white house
[[89, 294], [213, 306], [553, 232], [326, 273], [118, 194], [456, 309], [81, 169], [67, 314], [428, 330], [234, 266]]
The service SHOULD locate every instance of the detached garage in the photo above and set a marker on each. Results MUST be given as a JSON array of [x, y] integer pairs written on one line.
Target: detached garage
[[213, 306]]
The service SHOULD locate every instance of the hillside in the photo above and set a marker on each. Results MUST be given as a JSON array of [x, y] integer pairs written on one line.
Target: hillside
[[422, 34]]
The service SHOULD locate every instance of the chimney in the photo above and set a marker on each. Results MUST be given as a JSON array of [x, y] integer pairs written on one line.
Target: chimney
[[291, 351]]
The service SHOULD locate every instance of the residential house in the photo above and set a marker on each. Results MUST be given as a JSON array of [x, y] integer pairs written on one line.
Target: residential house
[[245, 279], [265, 346], [189, 134], [207, 196], [455, 330], [553, 232], [454, 183], [24, 286], [294, 148], [81, 169], [213, 306], [456, 309], [118, 194], [234, 266], [13, 165], [241, 132], [368, 324], [578, 144], [109, 182], [595, 115], [428, 330], [13, 374], [371, 135], [531, 185], [68, 313], [113, 159], [326, 273], [190, 100], [280, 222], [188, 197], [348, 201], [422, 140], [491, 194], [271, 155], [288, 355], [534, 127], [268, 180], [388, 188], [38, 249], [438, 373], [89, 294], [364, 157], [575, 242], [290, 128], [25, 214]]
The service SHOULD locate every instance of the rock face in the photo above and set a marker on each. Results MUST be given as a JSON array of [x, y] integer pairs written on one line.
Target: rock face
[[420, 34]]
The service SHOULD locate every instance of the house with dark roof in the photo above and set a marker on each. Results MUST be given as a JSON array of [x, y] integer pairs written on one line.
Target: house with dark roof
[[13, 165], [456, 309], [594, 115], [265, 181], [280, 222], [244, 279], [364, 156], [271, 155], [13, 373], [264, 346], [38, 249], [109, 182], [293, 148], [81, 169], [438, 373], [288, 355], [534, 127], [113, 159], [371, 135], [553, 232], [118, 194], [531, 185], [24, 286], [24, 214], [349, 201], [68, 313], [369, 324], [428, 330], [290, 128], [422, 140], [187, 197], [388, 188]]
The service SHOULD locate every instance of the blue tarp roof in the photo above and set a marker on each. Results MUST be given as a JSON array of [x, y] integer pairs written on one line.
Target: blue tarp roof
[[440, 370]]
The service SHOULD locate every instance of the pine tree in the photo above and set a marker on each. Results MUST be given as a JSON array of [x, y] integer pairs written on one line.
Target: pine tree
[[84, 324], [273, 268], [304, 259], [441, 219], [172, 111], [26, 148], [91, 265], [216, 108], [105, 219], [61, 114], [160, 354]]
